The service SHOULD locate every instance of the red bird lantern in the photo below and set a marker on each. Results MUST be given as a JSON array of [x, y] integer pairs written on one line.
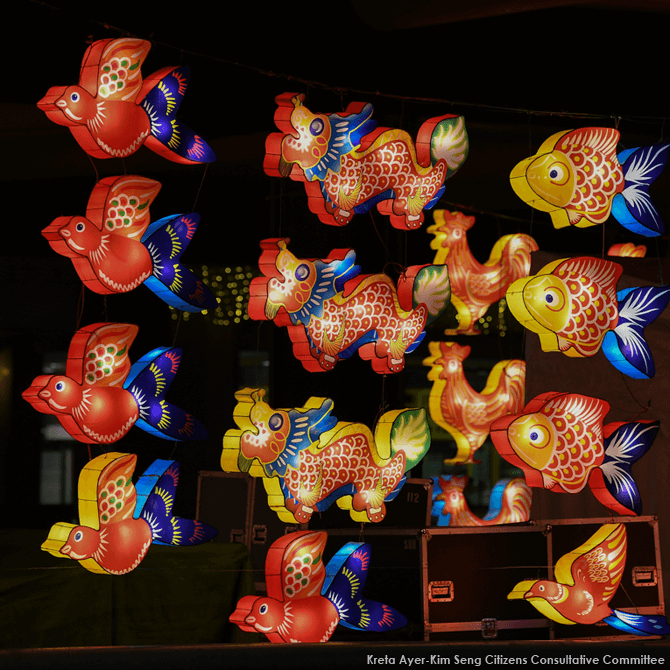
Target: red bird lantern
[[112, 112], [114, 248], [463, 412], [308, 459], [307, 599], [586, 579], [475, 287], [348, 166], [102, 396], [331, 311], [119, 522]]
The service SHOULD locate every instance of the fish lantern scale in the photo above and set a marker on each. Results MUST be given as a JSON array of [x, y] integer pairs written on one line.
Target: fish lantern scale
[[331, 311], [118, 522], [308, 459], [306, 599], [102, 396], [586, 580], [573, 305], [579, 179], [115, 247], [561, 444], [112, 112], [349, 165]]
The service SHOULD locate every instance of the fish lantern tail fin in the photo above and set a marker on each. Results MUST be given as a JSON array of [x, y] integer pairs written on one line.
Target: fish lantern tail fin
[[638, 624], [633, 208], [345, 579], [430, 286], [148, 381], [160, 98], [449, 142], [156, 491], [171, 281], [403, 431], [625, 347], [613, 483]]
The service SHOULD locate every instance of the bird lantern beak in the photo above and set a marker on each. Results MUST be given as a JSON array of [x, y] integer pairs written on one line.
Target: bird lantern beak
[[520, 590]]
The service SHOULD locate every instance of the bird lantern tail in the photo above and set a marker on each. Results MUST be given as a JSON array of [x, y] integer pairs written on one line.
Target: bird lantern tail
[[148, 381], [160, 98]]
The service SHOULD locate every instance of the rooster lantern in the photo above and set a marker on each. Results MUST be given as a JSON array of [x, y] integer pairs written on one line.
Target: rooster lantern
[[112, 112]]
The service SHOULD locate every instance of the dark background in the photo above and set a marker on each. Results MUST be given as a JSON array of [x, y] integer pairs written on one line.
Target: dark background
[[518, 73]]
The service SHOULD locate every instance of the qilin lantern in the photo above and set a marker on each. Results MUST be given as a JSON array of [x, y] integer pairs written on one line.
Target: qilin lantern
[[349, 165], [509, 502], [308, 459], [331, 311], [102, 396], [475, 287], [585, 581], [115, 247], [573, 305], [578, 178], [306, 599], [118, 522], [561, 444], [463, 412], [113, 111]]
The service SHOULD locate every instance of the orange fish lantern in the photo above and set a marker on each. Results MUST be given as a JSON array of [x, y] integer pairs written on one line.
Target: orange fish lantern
[[306, 599], [586, 579], [120, 521], [627, 250], [115, 247], [561, 444], [463, 412], [308, 459], [349, 166], [113, 111], [573, 305], [331, 311], [102, 396], [578, 178], [475, 287]]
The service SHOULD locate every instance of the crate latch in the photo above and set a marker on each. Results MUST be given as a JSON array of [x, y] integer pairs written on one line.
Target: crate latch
[[237, 535], [489, 628], [259, 535], [440, 592], [644, 575]]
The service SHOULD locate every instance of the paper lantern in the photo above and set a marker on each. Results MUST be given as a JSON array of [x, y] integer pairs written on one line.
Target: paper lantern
[[561, 444], [586, 580], [113, 112], [475, 287], [578, 178], [463, 412], [331, 311], [118, 522], [306, 600], [308, 459], [114, 248], [509, 503], [573, 305], [348, 165], [627, 249], [101, 396]]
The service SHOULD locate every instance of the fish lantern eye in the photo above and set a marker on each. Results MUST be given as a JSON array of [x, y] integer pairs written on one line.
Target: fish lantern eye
[[538, 437], [80, 227], [558, 174], [78, 536], [554, 300], [74, 97], [316, 127], [263, 609], [60, 386], [276, 421], [302, 272]]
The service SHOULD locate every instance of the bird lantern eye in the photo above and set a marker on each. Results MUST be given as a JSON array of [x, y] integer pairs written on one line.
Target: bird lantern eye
[[78, 536], [80, 227], [263, 609], [60, 386], [540, 588], [74, 97]]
